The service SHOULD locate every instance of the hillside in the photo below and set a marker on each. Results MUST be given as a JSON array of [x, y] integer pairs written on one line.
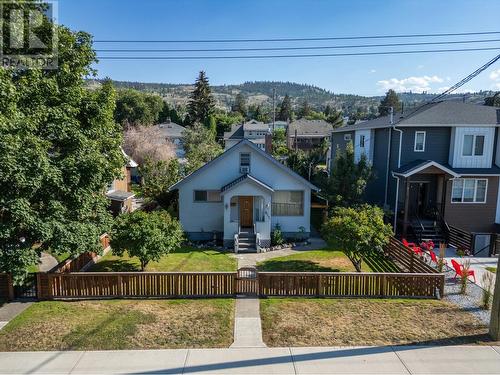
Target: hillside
[[260, 92]]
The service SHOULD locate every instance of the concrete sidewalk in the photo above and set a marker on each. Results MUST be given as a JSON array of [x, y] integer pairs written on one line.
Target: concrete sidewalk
[[327, 360]]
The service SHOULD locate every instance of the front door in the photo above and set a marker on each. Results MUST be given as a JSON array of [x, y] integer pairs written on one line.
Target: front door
[[246, 212], [419, 195]]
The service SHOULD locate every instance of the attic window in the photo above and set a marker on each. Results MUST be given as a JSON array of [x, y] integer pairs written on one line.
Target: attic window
[[245, 162], [347, 137]]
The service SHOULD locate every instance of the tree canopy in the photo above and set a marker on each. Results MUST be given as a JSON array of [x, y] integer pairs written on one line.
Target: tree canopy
[[147, 236], [493, 101], [240, 105], [137, 108], [200, 147], [201, 102], [391, 100], [285, 110], [59, 149]]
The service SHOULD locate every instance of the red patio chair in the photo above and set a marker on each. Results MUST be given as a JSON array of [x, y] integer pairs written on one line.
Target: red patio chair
[[459, 270], [435, 259], [408, 244]]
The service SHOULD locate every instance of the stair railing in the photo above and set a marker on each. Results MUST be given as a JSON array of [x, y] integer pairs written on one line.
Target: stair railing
[[257, 242], [236, 244]]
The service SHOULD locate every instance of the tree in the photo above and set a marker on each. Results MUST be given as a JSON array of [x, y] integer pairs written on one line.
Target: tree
[[201, 102], [493, 101], [157, 177], [348, 180], [360, 232], [391, 100], [240, 105], [335, 118], [200, 147], [147, 236], [135, 108], [286, 111], [59, 149], [257, 112], [279, 147], [148, 143], [224, 122], [304, 109]]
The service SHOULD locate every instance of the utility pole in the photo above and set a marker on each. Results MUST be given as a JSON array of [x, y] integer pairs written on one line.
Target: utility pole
[[495, 308], [274, 107]]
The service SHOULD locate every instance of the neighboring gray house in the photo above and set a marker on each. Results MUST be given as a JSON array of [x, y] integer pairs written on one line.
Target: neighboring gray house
[[174, 133], [440, 161], [307, 134], [240, 196], [253, 130]]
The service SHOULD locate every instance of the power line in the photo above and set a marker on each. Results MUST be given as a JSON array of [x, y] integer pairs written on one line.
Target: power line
[[295, 55], [295, 39], [299, 48]]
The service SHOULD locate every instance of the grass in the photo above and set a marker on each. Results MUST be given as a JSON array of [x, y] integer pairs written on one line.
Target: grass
[[121, 324], [332, 322], [183, 260], [492, 269]]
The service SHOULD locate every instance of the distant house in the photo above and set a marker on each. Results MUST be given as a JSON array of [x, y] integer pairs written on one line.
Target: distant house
[[240, 196], [119, 191], [435, 166], [174, 133], [253, 130], [307, 134]]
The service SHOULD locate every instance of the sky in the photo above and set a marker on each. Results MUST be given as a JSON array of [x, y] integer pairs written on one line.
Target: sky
[[239, 19]]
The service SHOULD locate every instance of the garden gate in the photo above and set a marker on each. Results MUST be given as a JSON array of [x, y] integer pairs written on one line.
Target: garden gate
[[247, 281], [27, 288]]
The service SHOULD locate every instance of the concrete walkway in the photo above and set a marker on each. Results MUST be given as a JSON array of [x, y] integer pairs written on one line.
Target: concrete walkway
[[10, 310], [247, 324], [47, 262], [326, 360]]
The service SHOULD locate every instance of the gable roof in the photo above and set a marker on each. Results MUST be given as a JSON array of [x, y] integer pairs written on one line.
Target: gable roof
[[443, 113], [171, 129], [310, 128], [420, 165], [245, 178], [236, 132], [255, 148], [255, 125]]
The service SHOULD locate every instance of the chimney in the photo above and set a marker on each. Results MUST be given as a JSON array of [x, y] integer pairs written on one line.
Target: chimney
[[269, 143]]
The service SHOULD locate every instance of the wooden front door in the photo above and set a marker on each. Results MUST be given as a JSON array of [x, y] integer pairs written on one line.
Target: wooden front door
[[246, 211]]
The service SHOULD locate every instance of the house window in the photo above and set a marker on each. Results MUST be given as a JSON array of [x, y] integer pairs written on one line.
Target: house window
[[347, 137], [207, 196], [362, 141], [419, 141], [245, 162], [473, 145], [288, 203], [469, 190]]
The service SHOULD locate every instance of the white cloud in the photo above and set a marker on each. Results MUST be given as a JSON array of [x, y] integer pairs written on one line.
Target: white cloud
[[373, 71], [420, 67], [415, 84], [495, 77]]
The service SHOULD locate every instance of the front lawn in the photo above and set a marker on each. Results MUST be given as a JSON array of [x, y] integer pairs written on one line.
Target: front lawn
[[325, 261], [121, 324], [183, 260], [492, 269], [338, 322]]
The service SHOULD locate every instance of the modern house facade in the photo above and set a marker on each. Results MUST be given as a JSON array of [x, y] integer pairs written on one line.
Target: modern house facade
[[441, 159], [253, 130], [240, 196], [307, 134]]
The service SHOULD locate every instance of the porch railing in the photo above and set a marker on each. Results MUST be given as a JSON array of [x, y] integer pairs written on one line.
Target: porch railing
[[236, 245]]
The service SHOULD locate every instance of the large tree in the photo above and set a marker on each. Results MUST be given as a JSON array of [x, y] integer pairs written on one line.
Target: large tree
[[201, 102], [347, 182], [147, 236], [200, 147], [143, 143], [335, 118], [59, 149], [493, 101], [304, 109], [240, 105], [135, 108], [286, 111], [391, 100]]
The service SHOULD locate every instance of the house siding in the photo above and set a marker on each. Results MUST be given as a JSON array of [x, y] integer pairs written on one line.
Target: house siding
[[375, 190], [473, 217], [437, 145]]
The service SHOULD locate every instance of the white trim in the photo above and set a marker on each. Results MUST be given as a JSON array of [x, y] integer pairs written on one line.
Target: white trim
[[249, 179], [423, 143], [497, 213], [427, 165], [475, 190]]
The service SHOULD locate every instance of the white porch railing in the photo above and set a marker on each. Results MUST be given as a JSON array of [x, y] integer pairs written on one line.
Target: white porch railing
[[236, 239], [257, 242]]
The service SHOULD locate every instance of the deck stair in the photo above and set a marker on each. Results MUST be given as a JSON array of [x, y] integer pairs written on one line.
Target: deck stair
[[427, 230]]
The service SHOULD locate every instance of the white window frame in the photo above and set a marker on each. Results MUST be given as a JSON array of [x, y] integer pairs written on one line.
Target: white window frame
[[362, 141], [474, 137], [208, 191], [423, 143], [475, 191]]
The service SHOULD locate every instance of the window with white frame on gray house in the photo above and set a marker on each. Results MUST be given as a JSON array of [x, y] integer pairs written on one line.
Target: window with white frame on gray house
[[419, 141], [245, 162], [473, 145], [287, 203], [469, 190], [207, 196]]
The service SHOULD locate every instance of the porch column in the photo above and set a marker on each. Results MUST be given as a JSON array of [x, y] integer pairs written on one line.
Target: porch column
[[407, 195]]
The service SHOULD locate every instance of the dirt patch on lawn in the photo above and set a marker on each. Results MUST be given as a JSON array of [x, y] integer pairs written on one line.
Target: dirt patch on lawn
[[332, 322]]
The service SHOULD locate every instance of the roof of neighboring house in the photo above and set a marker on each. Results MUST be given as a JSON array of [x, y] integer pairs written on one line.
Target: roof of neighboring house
[[443, 113], [417, 166], [236, 132], [171, 129], [255, 125], [256, 149], [130, 162], [309, 128], [118, 195], [245, 178]]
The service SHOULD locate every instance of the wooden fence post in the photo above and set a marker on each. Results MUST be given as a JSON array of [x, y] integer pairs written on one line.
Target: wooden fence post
[[382, 285], [412, 261], [119, 281], [10, 287], [318, 285]]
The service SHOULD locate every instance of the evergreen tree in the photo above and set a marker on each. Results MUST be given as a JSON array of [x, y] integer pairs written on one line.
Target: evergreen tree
[[286, 111], [305, 109], [391, 100], [328, 110], [240, 105], [201, 102], [335, 118], [493, 101]]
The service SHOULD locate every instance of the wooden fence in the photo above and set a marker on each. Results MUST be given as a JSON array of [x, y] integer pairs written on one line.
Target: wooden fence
[[349, 284], [405, 258], [6, 286]]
